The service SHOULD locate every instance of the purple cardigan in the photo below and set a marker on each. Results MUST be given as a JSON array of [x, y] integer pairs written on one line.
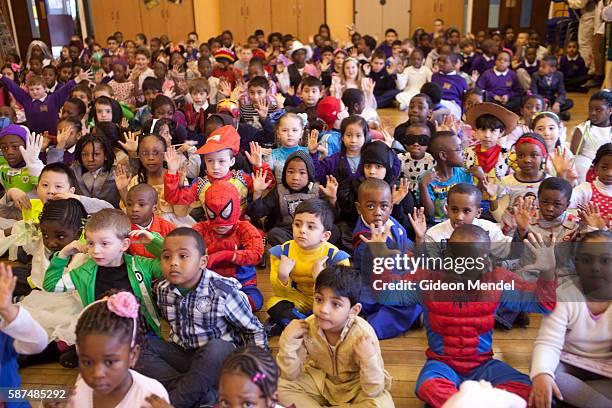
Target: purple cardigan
[[40, 116], [495, 85], [331, 165]]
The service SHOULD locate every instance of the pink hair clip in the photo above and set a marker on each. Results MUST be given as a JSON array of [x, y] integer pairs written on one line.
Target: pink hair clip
[[258, 376], [124, 304]]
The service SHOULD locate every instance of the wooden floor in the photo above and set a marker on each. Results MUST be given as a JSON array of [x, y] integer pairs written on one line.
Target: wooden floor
[[404, 356]]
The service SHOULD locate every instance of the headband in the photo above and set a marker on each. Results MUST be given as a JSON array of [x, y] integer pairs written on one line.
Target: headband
[[123, 304], [553, 114], [532, 140], [153, 125]]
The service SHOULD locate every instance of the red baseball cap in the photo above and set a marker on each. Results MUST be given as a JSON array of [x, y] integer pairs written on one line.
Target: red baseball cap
[[225, 137], [328, 110]]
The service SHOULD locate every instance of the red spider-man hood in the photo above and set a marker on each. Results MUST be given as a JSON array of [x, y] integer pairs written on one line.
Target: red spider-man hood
[[222, 204]]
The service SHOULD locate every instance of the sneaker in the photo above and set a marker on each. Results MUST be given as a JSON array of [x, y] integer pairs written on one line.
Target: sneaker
[[272, 328], [69, 359]]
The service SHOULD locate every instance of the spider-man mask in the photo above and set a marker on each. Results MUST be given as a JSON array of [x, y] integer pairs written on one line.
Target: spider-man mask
[[222, 204]]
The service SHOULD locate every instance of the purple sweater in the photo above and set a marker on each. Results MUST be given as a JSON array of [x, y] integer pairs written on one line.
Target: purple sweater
[[480, 64], [494, 85], [40, 116], [572, 69], [453, 86]]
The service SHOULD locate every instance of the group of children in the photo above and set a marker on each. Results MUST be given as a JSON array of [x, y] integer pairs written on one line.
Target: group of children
[[138, 194]]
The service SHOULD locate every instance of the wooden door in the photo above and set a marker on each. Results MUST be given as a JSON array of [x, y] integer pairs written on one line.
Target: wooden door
[[368, 18], [310, 14], [104, 18], [153, 20], [233, 19], [258, 16], [423, 13], [284, 16], [128, 17], [480, 16], [452, 12], [179, 20], [396, 15]]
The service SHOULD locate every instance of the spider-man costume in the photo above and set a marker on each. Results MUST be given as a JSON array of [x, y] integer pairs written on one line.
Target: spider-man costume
[[234, 253]]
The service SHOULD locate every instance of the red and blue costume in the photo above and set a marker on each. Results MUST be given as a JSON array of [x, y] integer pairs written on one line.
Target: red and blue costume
[[460, 334], [234, 253]]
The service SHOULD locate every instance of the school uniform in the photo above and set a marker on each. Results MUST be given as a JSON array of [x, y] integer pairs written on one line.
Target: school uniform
[[41, 114], [524, 72], [552, 88], [468, 63], [384, 88], [483, 62], [496, 83], [453, 87], [575, 73]]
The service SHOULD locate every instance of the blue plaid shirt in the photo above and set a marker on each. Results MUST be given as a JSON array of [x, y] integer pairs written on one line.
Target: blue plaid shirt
[[215, 309]]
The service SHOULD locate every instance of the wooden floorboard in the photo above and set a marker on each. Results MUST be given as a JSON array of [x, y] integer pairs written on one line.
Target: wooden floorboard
[[404, 356]]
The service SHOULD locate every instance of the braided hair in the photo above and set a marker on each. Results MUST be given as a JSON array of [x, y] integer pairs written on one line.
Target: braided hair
[[603, 151], [142, 172], [98, 319], [107, 148], [69, 212], [257, 364]]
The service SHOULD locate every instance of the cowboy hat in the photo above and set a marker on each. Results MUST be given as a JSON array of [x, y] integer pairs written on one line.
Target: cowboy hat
[[299, 46], [507, 117]]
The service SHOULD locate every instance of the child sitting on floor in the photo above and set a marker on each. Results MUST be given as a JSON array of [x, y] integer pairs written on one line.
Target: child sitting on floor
[[374, 205], [140, 207], [472, 310], [233, 246], [354, 373], [242, 371], [278, 206], [111, 329], [295, 264], [202, 333], [578, 327]]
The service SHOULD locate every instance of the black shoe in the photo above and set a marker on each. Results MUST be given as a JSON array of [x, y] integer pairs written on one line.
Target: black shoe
[[272, 328], [69, 359], [522, 320]]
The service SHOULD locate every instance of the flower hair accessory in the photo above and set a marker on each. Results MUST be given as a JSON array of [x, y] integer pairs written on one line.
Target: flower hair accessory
[[258, 376], [304, 118], [124, 304]]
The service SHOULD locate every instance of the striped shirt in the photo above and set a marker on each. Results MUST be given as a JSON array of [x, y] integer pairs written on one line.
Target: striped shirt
[[214, 309]]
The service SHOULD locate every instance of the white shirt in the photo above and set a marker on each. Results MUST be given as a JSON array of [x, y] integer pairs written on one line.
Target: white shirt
[[141, 388], [497, 73], [29, 337], [443, 231], [571, 328]]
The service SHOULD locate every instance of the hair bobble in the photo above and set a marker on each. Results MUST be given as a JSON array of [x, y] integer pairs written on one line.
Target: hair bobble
[[124, 304], [258, 376], [304, 118]]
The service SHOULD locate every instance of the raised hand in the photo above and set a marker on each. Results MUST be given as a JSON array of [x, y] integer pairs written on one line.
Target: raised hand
[[285, 266], [255, 156], [19, 197], [84, 76], [379, 234], [131, 144], [170, 93], [398, 192], [33, 147], [8, 311], [262, 108], [418, 222], [591, 215], [429, 177], [544, 255], [387, 137], [280, 99], [523, 210], [367, 68], [124, 123], [173, 160], [260, 184], [122, 178], [142, 236], [313, 141], [225, 88], [62, 138], [156, 402], [318, 266], [331, 188], [365, 348], [324, 65], [490, 186]]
